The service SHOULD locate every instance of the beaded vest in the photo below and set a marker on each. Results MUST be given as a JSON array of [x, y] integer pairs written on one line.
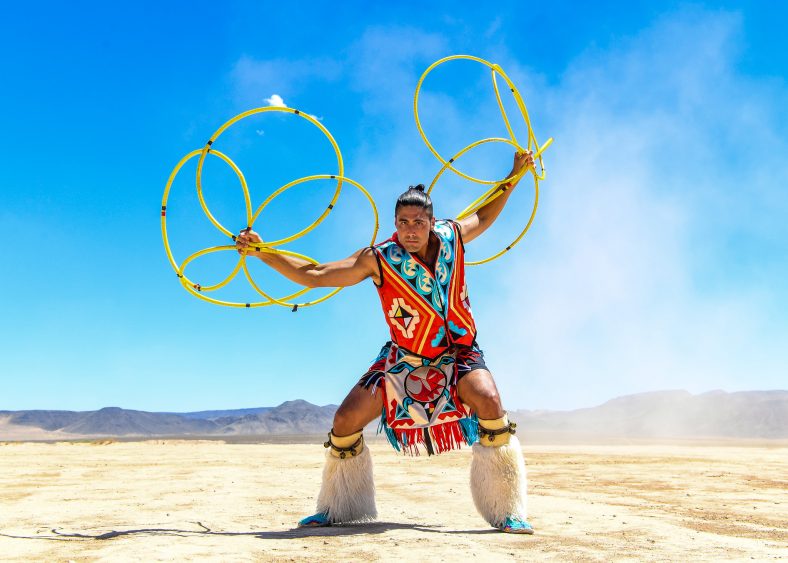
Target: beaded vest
[[427, 312]]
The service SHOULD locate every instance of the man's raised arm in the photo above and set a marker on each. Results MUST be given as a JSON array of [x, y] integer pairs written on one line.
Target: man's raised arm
[[342, 273], [475, 224]]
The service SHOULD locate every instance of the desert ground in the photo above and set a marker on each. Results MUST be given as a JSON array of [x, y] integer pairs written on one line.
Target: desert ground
[[177, 500]]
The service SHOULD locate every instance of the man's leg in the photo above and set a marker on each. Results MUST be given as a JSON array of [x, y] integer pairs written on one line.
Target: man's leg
[[359, 408], [347, 493], [498, 479]]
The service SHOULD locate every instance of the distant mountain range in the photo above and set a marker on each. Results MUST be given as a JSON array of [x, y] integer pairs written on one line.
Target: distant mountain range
[[662, 414], [291, 417], [671, 414]]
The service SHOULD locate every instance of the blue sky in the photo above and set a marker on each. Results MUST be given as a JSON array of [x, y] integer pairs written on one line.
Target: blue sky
[[657, 259]]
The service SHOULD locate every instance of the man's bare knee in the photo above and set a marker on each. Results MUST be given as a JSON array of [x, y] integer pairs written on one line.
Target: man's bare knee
[[346, 421], [488, 404], [358, 409], [478, 390]]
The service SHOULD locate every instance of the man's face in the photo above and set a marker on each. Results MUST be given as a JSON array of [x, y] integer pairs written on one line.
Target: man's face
[[413, 228]]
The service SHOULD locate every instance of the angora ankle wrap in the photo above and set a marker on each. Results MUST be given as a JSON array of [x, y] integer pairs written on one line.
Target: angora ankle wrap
[[348, 490], [498, 482]]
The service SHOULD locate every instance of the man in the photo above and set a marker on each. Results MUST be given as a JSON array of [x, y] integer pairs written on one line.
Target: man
[[430, 381]]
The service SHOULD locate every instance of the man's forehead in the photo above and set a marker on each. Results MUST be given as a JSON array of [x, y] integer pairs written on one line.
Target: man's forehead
[[411, 212]]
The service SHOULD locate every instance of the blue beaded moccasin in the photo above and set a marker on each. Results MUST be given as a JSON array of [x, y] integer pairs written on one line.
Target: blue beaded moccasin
[[315, 521], [515, 525]]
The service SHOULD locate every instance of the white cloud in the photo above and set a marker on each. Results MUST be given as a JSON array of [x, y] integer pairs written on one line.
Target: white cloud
[[251, 76], [632, 285], [276, 101], [386, 63], [494, 27]]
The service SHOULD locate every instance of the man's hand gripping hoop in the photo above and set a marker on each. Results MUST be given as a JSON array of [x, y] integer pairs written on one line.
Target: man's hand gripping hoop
[[498, 186], [199, 290]]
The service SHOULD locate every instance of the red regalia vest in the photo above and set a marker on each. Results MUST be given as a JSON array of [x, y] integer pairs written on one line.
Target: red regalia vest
[[427, 312]]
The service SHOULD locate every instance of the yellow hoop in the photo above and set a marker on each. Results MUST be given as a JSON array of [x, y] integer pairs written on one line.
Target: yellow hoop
[[196, 289], [496, 190], [207, 148]]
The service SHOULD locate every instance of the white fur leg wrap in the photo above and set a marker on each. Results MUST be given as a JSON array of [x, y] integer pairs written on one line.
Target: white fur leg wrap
[[348, 490], [498, 481]]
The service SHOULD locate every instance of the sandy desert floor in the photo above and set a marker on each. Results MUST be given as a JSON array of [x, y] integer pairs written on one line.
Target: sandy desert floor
[[205, 500]]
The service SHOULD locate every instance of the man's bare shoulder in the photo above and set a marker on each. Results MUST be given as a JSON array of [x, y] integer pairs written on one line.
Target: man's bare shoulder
[[368, 260]]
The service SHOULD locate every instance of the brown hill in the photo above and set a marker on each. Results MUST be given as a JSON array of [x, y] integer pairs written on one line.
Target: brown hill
[[114, 421], [291, 417]]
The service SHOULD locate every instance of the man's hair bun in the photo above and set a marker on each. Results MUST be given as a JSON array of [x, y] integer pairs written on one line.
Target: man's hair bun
[[415, 196]]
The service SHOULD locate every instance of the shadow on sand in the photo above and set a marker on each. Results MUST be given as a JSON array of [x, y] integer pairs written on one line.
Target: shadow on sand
[[294, 533]]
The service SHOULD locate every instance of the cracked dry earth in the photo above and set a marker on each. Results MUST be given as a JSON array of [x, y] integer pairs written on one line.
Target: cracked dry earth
[[186, 500]]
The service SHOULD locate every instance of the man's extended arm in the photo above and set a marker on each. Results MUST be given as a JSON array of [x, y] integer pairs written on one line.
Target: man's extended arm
[[476, 223], [341, 273]]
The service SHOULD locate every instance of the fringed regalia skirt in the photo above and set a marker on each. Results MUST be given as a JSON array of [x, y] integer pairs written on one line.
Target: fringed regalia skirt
[[421, 407]]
